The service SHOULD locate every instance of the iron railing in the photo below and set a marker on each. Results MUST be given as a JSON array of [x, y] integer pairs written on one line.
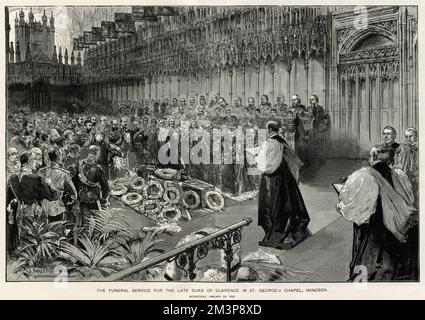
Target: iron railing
[[188, 255]]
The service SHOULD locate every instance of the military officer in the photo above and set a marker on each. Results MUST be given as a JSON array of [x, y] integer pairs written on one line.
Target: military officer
[[61, 181], [139, 139], [94, 189], [25, 192], [114, 135], [85, 137], [24, 141]]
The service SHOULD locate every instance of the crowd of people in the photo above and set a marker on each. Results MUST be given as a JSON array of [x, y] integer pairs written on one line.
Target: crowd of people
[[137, 132], [59, 164]]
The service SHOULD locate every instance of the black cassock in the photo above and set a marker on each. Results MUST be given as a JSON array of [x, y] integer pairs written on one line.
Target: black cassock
[[281, 209]]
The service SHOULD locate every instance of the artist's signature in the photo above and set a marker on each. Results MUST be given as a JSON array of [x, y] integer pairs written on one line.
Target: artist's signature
[[40, 271], [56, 271]]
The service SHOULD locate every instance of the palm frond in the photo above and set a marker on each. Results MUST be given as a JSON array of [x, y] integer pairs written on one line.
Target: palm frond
[[91, 253], [136, 248], [109, 223], [102, 251], [39, 242], [74, 253], [27, 259]]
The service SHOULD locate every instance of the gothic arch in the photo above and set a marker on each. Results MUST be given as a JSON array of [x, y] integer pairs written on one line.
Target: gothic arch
[[357, 36]]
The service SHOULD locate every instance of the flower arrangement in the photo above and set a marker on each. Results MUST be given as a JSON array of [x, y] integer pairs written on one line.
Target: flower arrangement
[[171, 195], [153, 190], [191, 199], [170, 214], [214, 200], [118, 190], [150, 207], [131, 198], [166, 174], [138, 184]]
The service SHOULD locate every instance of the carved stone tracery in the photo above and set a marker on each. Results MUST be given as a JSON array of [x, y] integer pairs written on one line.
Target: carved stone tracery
[[179, 52], [370, 55]]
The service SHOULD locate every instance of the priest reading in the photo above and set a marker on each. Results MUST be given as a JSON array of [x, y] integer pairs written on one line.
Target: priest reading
[[281, 209]]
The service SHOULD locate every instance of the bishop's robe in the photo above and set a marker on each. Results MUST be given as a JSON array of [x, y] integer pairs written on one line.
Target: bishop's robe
[[281, 209], [378, 200]]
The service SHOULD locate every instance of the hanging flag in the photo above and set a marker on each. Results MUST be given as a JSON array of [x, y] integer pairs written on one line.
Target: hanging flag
[[165, 11], [108, 30], [83, 44], [124, 22], [76, 44], [143, 13], [97, 34], [88, 38]]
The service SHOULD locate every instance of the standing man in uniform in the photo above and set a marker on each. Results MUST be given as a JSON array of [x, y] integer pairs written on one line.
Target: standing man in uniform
[[23, 141], [85, 138], [61, 181], [94, 189], [139, 139], [25, 192]]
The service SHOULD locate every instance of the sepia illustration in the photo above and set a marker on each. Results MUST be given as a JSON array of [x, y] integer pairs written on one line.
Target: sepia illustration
[[212, 144]]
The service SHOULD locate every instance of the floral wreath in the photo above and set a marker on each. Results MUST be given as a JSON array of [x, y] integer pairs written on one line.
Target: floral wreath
[[191, 194], [171, 214], [148, 194], [124, 181], [210, 198], [173, 190], [131, 198], [118, 190], [138, 184], [166, 174], [144, 207]]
